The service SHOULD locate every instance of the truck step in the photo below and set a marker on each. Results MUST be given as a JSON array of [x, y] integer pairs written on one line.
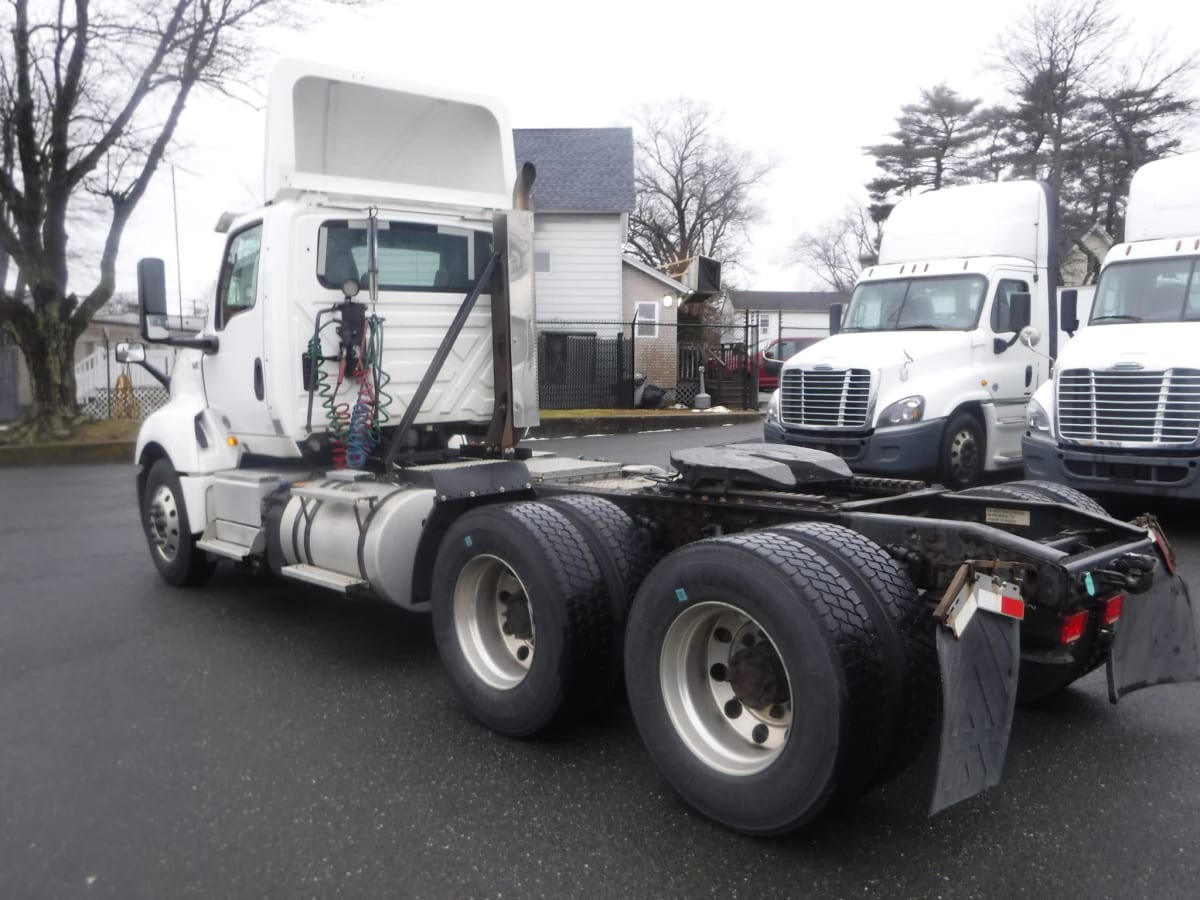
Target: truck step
[[324, 492], [223, 548], [323, 577]]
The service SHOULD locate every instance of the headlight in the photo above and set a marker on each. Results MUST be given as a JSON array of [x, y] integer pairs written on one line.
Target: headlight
[[1036, 417], [773, 407], [903, 412]]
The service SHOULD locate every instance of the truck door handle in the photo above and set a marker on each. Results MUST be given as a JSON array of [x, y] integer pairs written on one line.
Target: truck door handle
[[1028, 377], [259, 390]]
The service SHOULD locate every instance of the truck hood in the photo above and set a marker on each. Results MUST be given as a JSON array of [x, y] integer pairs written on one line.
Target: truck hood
[[1153, 345], [881, 350]]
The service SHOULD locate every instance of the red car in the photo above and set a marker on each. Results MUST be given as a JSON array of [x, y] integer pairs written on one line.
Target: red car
[[774, 353]]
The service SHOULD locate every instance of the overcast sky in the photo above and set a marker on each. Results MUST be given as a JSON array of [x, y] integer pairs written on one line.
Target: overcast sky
[[806, 85]]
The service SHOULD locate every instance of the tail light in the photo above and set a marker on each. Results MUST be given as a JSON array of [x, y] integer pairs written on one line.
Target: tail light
[[1072, 627], [1111, 609]]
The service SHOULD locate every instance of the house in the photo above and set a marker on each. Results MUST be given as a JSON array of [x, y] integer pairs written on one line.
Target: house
[[602, 315]]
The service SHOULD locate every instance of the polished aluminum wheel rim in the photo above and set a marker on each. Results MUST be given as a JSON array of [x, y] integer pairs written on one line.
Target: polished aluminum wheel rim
[[964, 456], [494, 623], [730, 729], [163, 521]]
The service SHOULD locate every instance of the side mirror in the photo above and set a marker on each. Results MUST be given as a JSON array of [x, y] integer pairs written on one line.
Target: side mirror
[[835, 318], [1030, 336], [152, 299], [131, 352], [1019, 311], [1068, 311]]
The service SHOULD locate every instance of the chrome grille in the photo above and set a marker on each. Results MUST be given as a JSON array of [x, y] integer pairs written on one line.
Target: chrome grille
[[825, 398], [1140, 408]]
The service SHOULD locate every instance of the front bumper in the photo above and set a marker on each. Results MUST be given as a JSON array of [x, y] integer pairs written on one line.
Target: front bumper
[[904, 449], [1111, 471]]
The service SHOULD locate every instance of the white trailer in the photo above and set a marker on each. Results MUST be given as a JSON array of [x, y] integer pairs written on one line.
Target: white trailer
[[787, 633]]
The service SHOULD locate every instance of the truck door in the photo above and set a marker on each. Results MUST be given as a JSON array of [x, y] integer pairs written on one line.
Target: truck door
[[234, 378], [1014, 374]]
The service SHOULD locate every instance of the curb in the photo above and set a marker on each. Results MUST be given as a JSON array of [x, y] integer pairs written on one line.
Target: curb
[[122, 451]]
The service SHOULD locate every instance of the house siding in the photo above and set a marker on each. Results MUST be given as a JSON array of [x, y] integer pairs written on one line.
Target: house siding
[[584, 281], [656, 358]]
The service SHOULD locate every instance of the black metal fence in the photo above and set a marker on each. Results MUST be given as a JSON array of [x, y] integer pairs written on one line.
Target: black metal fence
[[593, 364]]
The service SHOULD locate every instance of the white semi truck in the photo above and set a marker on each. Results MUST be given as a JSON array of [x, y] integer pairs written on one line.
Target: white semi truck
[[1122, 414], [787, 633], [928, 375]]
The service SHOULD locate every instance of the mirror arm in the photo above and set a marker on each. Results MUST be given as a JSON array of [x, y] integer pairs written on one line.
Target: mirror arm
[[158, 374], [207, 344]]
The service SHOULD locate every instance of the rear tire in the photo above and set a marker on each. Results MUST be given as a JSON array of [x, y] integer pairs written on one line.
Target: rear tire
[[1037, 680], [520, 618], [756, 680], [905, 625], [168, 533]]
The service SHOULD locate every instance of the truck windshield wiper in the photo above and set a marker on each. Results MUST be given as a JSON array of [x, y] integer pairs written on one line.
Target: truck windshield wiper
[[918, 328], [1122, 318]]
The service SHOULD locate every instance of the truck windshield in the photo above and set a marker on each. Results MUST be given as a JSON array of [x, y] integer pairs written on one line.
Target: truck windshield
[[1148, 290], [938, 304], [412, 256]]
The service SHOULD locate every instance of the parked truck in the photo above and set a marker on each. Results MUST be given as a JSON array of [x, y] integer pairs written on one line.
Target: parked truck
[[1122, 414], [787, 633], [928, 375]]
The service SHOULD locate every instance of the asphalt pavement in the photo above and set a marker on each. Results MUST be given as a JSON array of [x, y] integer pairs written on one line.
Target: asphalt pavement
[[258, 738]]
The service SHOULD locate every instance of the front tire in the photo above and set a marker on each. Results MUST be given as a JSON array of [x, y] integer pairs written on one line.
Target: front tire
[[756, 680], [963, 452], [168, 533]]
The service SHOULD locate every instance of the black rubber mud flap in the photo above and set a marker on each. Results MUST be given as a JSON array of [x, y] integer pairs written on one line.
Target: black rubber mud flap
[[1155, 640], [979, 693]]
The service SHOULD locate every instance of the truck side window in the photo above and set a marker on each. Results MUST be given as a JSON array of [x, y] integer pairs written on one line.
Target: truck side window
[[239, 275], [1001, 305], [1191, 309]]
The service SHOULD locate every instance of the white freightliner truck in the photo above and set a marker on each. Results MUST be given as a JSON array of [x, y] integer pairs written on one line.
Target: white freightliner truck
[[1122, 415], [787, 633], [928, 374]]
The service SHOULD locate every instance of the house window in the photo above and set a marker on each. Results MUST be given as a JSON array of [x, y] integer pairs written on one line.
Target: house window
[[541, 260], [646, 316]]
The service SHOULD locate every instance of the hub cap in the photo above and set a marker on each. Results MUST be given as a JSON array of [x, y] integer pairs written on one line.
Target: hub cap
[[964, 457], [162, 520], [493, 621], [725, 688]]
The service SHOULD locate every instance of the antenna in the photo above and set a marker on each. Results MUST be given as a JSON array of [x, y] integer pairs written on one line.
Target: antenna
[[178, 273]]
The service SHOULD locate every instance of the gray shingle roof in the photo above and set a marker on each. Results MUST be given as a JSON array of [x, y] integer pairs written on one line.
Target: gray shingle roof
[[786, 301], [579, 169]]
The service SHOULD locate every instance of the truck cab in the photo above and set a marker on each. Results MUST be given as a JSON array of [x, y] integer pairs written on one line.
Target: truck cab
[[929, 374], [1122, 414], [319, 338]]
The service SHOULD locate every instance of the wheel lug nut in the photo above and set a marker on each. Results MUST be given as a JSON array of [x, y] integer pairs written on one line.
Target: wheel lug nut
[[718, 672], [723, 635], [776, 712], [733, 709], [760, 734]]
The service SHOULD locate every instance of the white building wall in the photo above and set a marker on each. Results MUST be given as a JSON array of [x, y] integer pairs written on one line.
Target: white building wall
[[584, 280]]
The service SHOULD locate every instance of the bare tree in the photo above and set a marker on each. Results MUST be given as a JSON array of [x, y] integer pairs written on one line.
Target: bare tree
[[90, 99], [837, 251], [694, 188]]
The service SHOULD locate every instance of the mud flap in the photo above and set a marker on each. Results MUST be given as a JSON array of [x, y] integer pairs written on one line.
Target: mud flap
[[979, 692], [1155, 640]]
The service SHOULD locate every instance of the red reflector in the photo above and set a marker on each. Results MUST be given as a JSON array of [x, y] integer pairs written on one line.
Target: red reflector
[[1071, 628], [1112, 609], [1012, 606]]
